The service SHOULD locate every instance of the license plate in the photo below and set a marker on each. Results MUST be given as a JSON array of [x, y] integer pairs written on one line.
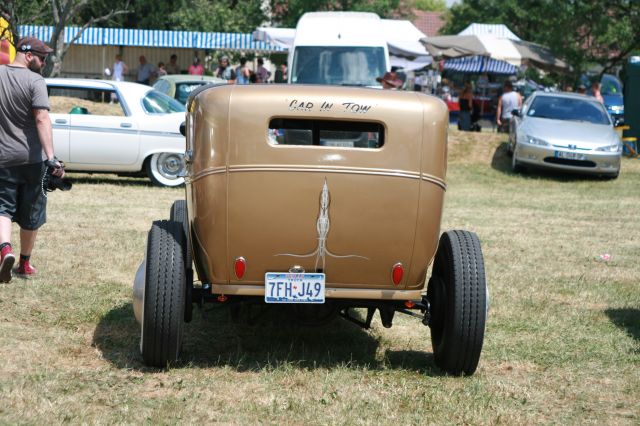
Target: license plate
[[282, 287], [570, 155]]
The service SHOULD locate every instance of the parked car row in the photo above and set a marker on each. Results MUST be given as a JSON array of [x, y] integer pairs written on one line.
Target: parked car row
[[123, 127]]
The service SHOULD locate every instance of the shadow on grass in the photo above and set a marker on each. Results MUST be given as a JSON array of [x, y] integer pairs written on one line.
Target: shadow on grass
[[501, 161], [212, 339], [108, 179], [627, 319]]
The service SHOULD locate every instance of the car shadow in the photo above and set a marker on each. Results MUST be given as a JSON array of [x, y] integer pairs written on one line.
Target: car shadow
[[268, 341], [108, 179], [501, 161], [628, 319]]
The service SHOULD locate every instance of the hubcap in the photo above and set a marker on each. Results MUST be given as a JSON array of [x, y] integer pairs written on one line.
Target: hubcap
[[170, 165]]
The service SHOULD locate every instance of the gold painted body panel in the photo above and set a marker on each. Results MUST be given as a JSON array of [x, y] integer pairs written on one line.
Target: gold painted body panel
[[251, 198]]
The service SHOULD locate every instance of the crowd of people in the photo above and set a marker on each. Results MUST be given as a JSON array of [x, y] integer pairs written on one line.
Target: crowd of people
[[147, 73]]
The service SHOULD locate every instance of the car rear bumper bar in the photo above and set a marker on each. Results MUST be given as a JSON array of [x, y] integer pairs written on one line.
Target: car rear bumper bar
[[330, 293]]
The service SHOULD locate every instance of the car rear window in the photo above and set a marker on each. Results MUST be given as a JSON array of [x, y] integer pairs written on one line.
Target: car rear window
[[183, 90], [345, 134], [84, 100]]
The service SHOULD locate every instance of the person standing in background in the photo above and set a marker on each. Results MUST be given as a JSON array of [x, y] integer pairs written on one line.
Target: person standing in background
[[595, 91], [196, 67], [242, 72], [161, 69], [146, 71], [465, 100], [281, 74], [173, 67], [119, 69], [224, 71], [262, 73], [26, 151], [509, 101]]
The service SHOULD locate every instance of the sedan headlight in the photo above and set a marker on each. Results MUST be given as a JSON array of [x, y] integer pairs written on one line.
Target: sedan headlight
[[535, 141], [617, 147]]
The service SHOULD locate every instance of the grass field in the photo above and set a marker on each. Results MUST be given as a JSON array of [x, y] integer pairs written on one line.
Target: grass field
[[562, 342]]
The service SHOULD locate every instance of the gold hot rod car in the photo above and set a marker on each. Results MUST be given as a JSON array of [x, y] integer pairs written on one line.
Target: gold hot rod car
[[327, 198]]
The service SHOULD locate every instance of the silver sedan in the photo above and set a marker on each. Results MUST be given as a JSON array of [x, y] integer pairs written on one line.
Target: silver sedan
[[564, 131]]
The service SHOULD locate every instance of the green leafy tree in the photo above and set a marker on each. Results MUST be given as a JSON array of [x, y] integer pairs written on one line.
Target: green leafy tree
[[220, 16], [431, 5], [59, 14], [583, 32]]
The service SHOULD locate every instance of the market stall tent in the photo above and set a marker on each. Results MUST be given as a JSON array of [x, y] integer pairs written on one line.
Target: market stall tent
[[95, 48]]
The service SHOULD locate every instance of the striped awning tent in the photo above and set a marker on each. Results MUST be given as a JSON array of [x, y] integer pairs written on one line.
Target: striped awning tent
[[155, 38], [479, 64]]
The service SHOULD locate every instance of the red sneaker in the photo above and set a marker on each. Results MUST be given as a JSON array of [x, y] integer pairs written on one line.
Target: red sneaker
[[25, 270], [7, 259]]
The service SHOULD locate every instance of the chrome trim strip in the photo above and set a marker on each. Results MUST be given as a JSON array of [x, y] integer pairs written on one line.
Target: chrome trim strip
[[325, 169], [435, 180], [208, 172], [117, 130], [330, 293]]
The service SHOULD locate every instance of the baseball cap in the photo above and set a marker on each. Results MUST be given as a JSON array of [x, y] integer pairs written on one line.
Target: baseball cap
[[391, 79], [33, 44]]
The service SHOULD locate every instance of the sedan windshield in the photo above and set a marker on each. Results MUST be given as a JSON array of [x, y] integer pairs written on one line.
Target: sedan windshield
[[155, 102], [568, 109], [338, 65]]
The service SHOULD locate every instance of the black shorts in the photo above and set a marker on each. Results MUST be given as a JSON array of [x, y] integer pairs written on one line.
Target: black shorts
[[21, 197]]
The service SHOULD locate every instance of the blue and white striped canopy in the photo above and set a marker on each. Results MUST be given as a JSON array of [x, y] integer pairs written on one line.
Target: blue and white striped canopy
[[479, 64], [154, 38]]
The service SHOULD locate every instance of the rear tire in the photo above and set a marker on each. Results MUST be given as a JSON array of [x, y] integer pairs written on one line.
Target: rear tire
[[179, 214], [457, 294], [166, 169], [164, 292]]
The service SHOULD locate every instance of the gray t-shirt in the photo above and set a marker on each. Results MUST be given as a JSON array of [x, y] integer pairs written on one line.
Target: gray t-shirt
[[509, 103], [21, 91]]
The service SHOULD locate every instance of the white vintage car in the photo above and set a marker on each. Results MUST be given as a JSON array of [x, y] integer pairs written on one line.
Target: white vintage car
[[117, 127]]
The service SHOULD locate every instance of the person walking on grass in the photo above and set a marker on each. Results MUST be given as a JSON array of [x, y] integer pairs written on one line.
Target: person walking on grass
[[26, 150]]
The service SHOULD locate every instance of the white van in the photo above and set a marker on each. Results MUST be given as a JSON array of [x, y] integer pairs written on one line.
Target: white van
[[339, 48]]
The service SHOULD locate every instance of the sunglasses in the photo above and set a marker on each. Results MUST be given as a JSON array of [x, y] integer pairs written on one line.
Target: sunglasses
[[40, 56]]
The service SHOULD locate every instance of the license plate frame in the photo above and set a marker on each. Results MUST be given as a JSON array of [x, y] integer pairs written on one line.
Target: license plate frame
[[570, 155], [298, 288]]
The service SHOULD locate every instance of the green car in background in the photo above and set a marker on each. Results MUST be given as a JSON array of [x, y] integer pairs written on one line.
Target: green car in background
[[180, 86]]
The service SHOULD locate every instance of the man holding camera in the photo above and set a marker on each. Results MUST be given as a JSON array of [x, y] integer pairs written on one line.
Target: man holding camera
[[26, 150]]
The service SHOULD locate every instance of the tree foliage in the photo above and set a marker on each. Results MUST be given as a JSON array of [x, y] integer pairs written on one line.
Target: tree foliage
[[285, 13], [431, 5], [584, 32], [220, 16], [59, 14]]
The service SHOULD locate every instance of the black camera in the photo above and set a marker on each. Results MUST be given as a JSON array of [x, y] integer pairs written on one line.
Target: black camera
[[50, 182]]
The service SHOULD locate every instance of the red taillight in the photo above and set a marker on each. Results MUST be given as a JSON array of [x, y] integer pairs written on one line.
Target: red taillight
[[240, 267], [396, 273], [409, 304]]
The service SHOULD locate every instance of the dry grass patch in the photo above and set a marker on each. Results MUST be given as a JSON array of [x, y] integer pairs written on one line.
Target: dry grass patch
[[562, 342]]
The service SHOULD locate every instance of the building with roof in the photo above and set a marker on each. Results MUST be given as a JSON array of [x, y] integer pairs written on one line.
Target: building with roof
[[96, 48], [429, 23]]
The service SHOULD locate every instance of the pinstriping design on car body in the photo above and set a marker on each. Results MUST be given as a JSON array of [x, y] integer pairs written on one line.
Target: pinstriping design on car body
[[323, 169], [323, 225]]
